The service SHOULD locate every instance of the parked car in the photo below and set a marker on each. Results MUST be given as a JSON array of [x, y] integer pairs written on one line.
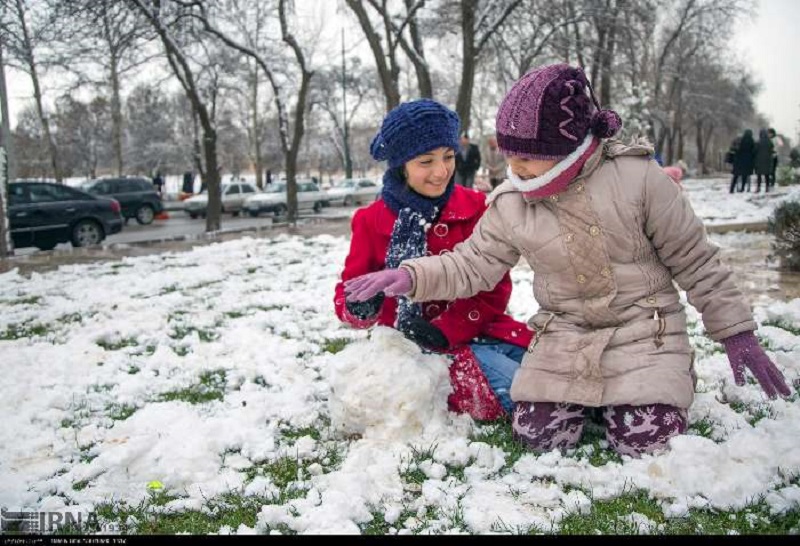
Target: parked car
[[43, 214], [274, 199], [137, 196], [352, 191], [233, 196]]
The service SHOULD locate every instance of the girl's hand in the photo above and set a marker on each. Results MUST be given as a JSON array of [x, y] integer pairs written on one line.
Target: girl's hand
[[392, 282]]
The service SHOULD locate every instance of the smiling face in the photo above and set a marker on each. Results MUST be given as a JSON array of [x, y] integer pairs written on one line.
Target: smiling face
[[529, 168], [428, 174]]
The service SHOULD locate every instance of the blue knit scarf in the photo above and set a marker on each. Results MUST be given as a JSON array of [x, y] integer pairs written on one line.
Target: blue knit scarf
[[415, 214]]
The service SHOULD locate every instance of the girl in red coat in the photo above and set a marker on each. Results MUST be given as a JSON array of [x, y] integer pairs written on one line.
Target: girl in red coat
[[422, 212]]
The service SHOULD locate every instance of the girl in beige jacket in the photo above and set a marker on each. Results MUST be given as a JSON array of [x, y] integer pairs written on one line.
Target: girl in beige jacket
[[606, 232]]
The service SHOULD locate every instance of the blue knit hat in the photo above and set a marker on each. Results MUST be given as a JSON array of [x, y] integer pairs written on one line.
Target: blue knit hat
[[414, 128]]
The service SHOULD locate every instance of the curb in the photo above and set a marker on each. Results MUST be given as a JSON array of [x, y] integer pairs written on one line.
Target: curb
[[749, 227], [219, 234]]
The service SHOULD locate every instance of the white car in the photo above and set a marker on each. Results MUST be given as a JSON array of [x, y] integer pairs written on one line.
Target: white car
[[352, 191], [233, 196], [273, 199]]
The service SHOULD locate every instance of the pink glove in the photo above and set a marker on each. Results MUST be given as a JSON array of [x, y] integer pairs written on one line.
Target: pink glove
[[745, 352], [392, 282]]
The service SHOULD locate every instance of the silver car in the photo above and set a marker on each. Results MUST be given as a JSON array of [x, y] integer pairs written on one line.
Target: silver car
[[353, 191], [273, 199], [233, 197]]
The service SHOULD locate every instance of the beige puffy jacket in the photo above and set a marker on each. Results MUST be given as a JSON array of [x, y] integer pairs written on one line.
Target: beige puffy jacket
[[611, 329]]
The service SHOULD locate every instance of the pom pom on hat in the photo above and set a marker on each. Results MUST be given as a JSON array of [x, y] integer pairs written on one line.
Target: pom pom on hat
[[414, 128], [606, 123]]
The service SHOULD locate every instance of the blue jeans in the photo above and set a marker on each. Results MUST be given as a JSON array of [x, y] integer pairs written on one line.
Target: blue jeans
[[499, 362]]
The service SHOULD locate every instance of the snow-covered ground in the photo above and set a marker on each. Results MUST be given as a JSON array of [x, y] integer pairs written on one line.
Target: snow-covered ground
[[197, 369]]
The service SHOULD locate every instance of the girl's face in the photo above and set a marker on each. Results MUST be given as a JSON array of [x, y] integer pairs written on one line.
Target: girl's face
[[428, 174], [529, 168]]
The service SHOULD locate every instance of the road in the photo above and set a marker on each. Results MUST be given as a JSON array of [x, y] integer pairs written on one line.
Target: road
[[180, 227]]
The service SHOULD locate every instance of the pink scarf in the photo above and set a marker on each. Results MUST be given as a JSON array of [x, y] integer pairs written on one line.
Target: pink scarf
[[557, 178]]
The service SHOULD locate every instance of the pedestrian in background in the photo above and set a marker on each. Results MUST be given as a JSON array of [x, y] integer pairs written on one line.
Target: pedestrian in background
[[764, 156], [158, 184], [776, 143], [495, 162], [744, 157], [468, 161]]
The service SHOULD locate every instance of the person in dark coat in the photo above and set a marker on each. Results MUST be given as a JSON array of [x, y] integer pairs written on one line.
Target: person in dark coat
[[744, 157], [468, 161], [763, 160], [158, 183], [188, 182]]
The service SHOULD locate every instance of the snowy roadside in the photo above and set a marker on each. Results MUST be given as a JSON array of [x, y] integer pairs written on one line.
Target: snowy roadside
[[209, 370]]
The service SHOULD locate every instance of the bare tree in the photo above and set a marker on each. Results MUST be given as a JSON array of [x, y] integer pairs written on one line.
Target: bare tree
[[479, 22], [179, 60], [289, 144], [329, 93], [26, 29], [392, 33], [114, 38]]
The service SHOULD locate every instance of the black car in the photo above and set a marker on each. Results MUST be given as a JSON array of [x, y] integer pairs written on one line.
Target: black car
[[137, 196], [43, 214]]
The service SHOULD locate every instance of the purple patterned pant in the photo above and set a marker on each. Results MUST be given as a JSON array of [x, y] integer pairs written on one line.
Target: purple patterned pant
[[630, 430]]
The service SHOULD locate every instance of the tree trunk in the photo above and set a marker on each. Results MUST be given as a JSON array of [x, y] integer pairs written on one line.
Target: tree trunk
[[258, 160], [116, 117], [6, 244], [212, 178], [37, 92], [385, 74], [464, 100]]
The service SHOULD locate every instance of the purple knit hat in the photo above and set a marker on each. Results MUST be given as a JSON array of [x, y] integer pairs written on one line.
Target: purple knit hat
[[547, 114]]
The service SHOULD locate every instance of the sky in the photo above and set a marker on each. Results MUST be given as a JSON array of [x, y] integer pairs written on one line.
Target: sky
[[255, 314], [770, 44]]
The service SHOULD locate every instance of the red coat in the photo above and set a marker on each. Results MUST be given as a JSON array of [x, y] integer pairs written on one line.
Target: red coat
[[460, 320]]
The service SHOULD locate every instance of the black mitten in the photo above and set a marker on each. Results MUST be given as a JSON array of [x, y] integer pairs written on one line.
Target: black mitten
[[425, 334], [365, 310]]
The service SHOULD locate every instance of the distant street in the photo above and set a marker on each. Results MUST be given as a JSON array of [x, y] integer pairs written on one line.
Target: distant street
[[180, 225]]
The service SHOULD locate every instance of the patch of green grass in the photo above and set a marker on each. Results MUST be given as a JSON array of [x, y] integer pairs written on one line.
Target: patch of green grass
[[133, 370], [29, 300], [120, 412], [268, 307], [168, 289], [233, 314], [116, 345], [784, 325], [335, 345], [70, 318], [181, 350], [608, 517], [295, 433], [704, 427], [211, 387], [180, 331], [753, 413], [230, 509], [26, 329], [81, 485], [120, 266], [86, 457], [499, 434]]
